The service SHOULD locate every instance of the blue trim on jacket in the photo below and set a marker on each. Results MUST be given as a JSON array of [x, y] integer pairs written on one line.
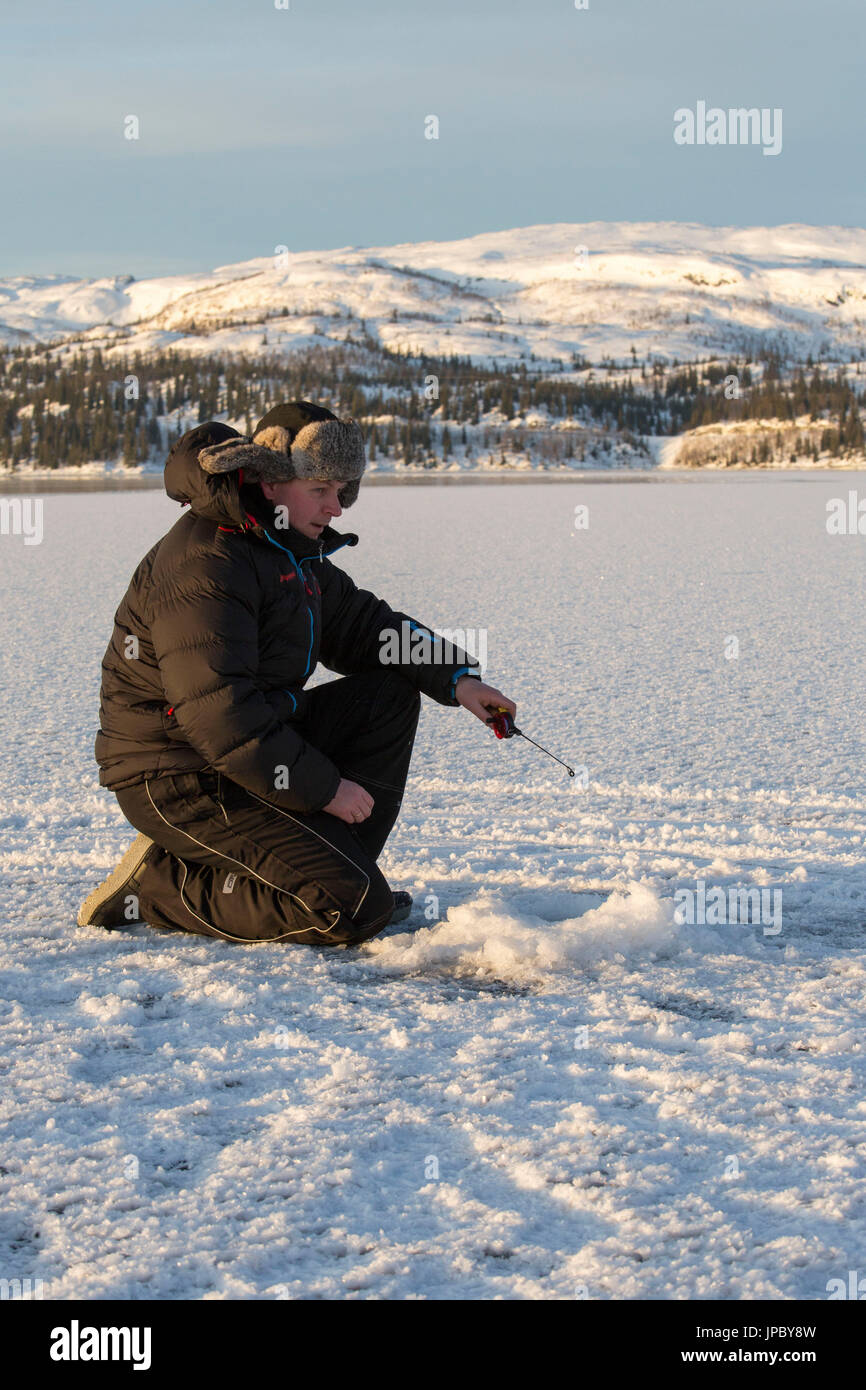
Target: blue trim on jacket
[[297, 566], [461, 671]]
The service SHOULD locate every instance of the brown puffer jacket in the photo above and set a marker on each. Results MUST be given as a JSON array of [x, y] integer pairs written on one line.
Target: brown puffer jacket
[[222, 624]]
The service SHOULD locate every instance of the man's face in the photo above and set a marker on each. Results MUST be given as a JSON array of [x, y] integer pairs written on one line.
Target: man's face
[[311, 503]]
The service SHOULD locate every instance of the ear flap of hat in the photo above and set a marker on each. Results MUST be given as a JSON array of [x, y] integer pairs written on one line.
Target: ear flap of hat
[[349, 493], [239, 452], [274, 437]]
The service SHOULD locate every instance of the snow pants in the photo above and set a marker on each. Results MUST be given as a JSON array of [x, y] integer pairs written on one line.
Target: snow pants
[[233, 865]]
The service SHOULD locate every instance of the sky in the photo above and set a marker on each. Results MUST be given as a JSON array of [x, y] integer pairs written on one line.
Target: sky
[[304, 126]]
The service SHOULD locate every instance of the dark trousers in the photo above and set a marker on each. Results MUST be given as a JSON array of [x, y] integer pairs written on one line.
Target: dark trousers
[[235, 866]]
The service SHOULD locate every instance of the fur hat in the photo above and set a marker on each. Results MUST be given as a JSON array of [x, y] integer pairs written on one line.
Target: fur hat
[[296, 440]]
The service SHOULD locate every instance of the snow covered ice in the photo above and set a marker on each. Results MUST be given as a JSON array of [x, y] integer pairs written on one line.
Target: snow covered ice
[[548, 1087]]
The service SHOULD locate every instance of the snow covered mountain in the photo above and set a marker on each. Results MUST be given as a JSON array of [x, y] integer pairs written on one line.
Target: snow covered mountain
[[595, 289]]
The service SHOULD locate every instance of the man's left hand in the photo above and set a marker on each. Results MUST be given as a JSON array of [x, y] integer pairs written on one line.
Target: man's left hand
[[480, 699]]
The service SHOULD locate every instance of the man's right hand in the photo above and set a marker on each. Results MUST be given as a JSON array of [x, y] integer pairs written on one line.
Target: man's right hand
[[351, 803]]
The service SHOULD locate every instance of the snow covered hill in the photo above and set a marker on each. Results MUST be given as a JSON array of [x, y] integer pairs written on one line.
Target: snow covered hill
[[597, 289]]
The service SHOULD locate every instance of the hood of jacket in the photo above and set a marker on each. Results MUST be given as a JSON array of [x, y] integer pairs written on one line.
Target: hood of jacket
[[225, 500]]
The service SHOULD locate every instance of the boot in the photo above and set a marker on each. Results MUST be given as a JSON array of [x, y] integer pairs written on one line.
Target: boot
[[402, 906], [108, 905]]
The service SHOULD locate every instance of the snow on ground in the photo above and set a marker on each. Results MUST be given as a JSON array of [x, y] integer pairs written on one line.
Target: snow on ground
[[549, 1087]]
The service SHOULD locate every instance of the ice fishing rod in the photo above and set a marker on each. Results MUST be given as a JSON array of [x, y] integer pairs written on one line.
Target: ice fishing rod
[[505, 727]]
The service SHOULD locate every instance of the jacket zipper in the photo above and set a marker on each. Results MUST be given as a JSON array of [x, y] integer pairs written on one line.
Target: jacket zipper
[[297, 564]]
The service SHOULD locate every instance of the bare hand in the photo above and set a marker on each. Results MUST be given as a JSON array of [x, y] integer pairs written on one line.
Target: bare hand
[[351, 803], [482, 700]]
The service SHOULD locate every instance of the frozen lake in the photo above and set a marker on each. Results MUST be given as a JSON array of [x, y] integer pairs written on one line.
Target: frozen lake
[[518, 1099]]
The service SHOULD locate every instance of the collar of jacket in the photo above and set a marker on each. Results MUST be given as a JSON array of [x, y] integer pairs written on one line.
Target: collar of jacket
[[235, 506]]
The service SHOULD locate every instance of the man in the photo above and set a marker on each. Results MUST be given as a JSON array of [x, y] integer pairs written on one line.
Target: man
[[262, 806]]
